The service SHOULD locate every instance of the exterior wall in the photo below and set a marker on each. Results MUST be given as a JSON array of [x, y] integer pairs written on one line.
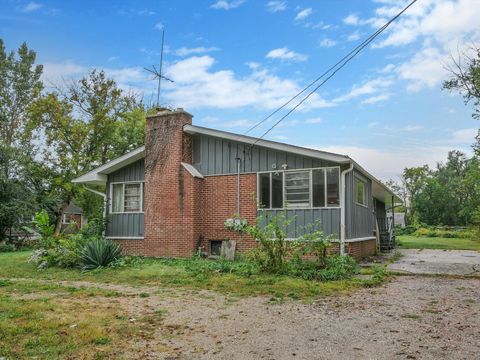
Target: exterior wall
[[329, 219], [218, 156], [361, 249], [380, 211], [128, 224], [219, 200], [359, 219]]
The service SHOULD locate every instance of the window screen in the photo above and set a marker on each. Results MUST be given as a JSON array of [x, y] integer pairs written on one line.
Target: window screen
[[132, 197], [117, 198], [297, 188], [318, 188], [333, 185]]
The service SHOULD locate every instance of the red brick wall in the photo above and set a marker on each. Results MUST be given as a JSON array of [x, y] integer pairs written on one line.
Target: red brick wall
[[219, 202], [361, 249], [169, 195], [132, 246]]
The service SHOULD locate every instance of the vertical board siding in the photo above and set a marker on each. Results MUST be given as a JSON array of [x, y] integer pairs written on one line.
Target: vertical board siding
[[218, 157], [303, 220], [127, 224], [360, 220]]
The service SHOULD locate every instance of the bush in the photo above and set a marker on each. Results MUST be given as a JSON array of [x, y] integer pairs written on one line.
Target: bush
[[4, 247], [407, 230], [100, 253]]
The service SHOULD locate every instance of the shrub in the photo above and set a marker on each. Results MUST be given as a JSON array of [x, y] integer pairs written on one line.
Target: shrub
[[4, 247], [43, 224], [338, 267], [99, 253]]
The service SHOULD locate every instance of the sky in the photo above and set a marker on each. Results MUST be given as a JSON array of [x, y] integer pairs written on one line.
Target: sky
[[235, 61]]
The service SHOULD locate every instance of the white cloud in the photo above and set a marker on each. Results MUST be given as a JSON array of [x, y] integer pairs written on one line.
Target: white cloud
[[313, 121], [327, 42], [464, 136], [31, 6], [286, 54], [277, 5], [184, 51], [351, 19], [56, 73], [387, 69], [354, 36], [198, 86], [303, 14], [376, 99], [367, 88], [412, 128], [159, 26], [226, 5]]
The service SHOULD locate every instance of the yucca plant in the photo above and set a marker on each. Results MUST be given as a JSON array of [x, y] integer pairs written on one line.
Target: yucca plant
[[99, 253]]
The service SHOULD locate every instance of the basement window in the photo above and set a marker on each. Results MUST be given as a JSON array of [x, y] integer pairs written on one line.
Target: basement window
[[216, 247]]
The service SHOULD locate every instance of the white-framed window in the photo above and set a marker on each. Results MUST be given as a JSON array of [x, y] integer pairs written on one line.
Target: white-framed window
[[360, 192], [127, 197], [304, 188]]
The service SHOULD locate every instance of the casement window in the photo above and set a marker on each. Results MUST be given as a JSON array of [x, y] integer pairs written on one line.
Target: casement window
[[360, 192], [127, 197], [310, 188]]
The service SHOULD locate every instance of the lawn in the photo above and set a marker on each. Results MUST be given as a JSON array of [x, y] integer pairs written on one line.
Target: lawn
[[421, 242], [44, 318]]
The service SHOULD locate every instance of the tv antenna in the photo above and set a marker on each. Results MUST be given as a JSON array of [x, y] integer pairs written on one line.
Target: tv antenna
[[158, 74]]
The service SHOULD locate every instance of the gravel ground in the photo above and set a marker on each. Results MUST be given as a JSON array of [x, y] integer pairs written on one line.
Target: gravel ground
[[408, 318], [411, 317]]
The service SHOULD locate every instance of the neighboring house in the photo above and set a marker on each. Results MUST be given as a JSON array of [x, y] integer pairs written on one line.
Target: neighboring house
[[399, 218], [173, 196], [73, 218]]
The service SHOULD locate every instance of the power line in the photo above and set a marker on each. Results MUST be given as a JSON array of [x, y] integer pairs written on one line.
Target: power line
[[339, 65]]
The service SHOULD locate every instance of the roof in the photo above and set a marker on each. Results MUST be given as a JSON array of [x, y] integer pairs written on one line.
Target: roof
[[72, 208], [98, 176]]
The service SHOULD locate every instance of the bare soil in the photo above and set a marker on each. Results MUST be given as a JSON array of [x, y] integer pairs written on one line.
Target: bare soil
[[411, 317]]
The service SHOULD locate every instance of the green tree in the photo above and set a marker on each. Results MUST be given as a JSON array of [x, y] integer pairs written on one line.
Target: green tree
[[84, 124], [414, 179]]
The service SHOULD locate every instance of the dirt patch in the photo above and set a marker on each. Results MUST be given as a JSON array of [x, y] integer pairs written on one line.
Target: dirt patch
[[410, 317]]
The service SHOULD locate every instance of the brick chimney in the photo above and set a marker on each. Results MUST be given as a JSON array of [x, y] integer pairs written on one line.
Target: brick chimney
[[169, 192]]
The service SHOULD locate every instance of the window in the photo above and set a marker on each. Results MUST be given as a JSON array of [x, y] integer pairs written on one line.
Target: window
[[127, 197], [333, 187], [360, 196], [315, 188], [297, 189], [216, 247]]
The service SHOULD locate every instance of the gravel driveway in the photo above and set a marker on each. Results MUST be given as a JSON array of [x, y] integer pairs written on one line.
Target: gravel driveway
[[408, 318]]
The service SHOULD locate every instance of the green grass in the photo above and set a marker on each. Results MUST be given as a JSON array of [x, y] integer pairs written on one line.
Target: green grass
[[173, 274], [419, 242]]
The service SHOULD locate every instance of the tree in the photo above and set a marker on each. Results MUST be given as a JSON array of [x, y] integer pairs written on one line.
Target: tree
[[414, 179], [465, 79], [84, 125]]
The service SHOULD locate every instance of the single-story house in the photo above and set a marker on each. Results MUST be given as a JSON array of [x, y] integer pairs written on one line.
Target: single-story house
[[172, 196], [73, 218]]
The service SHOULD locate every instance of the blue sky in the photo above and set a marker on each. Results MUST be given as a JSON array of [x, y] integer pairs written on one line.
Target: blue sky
[[235, 61]]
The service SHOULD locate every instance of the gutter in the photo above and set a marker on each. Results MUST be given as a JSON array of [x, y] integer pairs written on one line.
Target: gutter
[[104, 199], [343, 206]]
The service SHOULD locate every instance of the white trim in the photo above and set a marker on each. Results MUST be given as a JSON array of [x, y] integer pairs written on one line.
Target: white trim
[[343, 204], [317, 154], [360, 239], [110, 205], [98, 175], [124, 237]]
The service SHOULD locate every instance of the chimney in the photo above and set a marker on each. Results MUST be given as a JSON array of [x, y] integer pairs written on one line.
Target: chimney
[[168, 226]]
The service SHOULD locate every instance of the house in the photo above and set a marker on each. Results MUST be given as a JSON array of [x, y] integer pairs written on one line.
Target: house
[[173, 196], [73, 218]]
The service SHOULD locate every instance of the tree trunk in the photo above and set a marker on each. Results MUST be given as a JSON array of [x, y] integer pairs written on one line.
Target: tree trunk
[[58, 221]]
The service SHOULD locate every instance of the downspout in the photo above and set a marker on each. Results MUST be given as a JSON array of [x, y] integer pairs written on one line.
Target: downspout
[[238, 188], [104, 202], [343, 206]]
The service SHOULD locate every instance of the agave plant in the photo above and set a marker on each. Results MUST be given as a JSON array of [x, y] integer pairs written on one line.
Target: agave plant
[[99, 253]]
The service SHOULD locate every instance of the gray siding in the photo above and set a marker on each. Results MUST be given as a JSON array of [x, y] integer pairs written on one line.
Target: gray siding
[[302, 220], [359, 219], [217, 156], [128, 224]]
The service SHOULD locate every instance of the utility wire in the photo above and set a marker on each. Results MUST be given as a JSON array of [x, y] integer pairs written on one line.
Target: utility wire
[[339, 65]]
